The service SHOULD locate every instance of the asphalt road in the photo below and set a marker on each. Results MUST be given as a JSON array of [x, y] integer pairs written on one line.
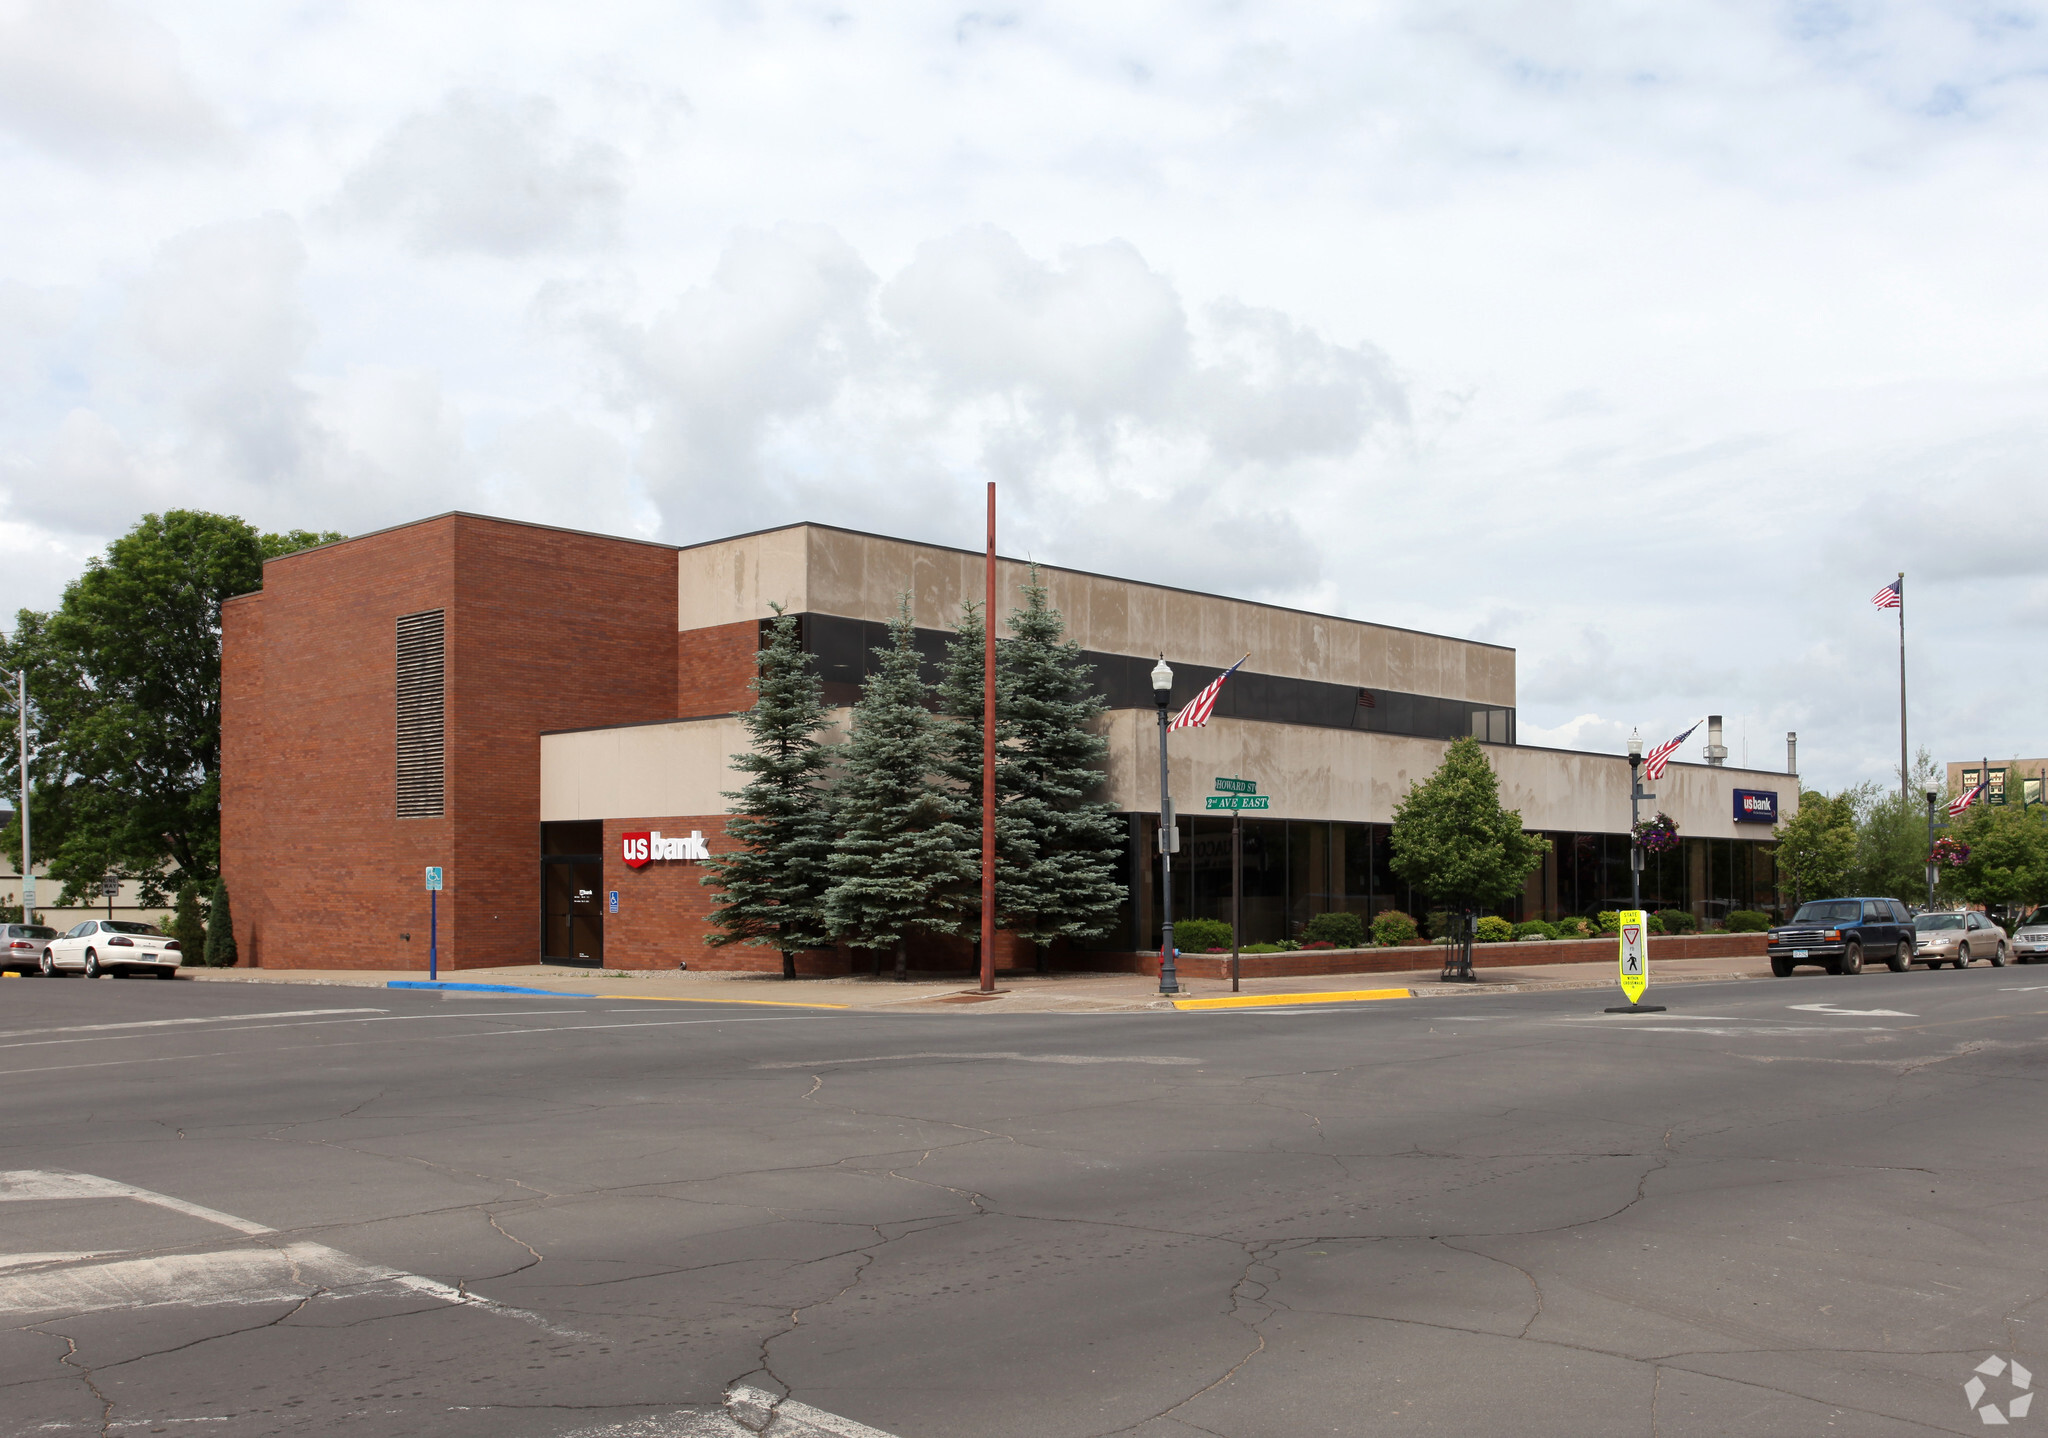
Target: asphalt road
[[252, 1210]]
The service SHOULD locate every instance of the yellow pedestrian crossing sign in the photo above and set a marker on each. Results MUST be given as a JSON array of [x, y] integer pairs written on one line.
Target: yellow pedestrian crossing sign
[[1635, 953]]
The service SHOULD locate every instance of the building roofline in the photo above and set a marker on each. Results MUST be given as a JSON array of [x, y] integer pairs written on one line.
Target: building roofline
[[644, 723], [1093, 574]]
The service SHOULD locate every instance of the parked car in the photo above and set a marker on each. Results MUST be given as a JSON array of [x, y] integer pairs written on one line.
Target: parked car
[[112, 946], [2030, 937], [21, 946], [1958, 938], [1836, 934]]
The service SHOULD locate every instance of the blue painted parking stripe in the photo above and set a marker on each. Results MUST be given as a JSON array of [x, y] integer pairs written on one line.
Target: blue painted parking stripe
[[479, 988]]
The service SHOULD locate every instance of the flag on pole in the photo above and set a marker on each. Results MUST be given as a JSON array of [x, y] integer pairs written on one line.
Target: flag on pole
[[1892, 596], [1657, 758], [1197, 710], [1964, 800]]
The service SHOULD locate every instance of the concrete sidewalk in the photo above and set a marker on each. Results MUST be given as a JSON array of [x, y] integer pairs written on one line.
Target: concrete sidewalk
[[1019, 993]]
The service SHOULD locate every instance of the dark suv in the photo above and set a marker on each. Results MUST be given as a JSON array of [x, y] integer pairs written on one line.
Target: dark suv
[[1835, 934]]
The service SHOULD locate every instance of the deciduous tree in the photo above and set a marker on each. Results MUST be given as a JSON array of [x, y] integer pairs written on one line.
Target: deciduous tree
[[1452, 839]]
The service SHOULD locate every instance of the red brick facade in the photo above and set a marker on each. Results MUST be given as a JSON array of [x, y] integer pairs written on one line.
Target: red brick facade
[[714, 669], [546, 629]]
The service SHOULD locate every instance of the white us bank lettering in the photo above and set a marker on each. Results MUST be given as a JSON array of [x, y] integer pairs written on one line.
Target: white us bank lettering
[[646, 846]]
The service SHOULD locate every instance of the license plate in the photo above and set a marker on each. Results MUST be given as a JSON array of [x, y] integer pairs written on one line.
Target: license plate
[[1799, 953]]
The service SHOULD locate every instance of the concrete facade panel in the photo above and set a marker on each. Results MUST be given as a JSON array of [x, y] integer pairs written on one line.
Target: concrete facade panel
[[677, 768]]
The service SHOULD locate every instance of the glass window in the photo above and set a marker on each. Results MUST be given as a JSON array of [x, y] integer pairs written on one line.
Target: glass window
[[581, 837], [1929, 922], [35, 931], [1827, 911], [128, 926]]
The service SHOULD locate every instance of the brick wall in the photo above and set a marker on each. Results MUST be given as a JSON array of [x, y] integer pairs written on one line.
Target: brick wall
[[714, 666], [545, 630]]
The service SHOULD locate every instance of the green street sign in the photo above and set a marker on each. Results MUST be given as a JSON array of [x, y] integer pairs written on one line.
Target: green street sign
[[1237, 801], [1237, 786]]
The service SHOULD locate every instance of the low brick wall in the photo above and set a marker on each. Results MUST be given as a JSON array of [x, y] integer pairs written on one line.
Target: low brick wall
[[1304, 962]]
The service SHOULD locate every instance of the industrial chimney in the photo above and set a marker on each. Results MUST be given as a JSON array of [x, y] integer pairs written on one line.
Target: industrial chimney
[[1716, 751], [1792, 751]]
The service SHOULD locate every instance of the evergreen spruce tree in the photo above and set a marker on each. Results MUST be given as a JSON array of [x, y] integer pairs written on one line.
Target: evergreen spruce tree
[[1061, 849], [903, 863], [220, 930], [772, 888]]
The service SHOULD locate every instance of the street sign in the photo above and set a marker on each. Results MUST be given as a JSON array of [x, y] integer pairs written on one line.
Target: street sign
[[1236, 801], [615, 901], [28, 891], [109, 887], [1635, 953], [434, 879], [1237, 786]]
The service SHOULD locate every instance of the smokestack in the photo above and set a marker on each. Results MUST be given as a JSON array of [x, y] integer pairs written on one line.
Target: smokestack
[[1716, 751], [1792, 751]]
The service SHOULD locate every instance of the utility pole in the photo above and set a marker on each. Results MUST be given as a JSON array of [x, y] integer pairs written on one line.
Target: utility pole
[[988, 761], [1905, 774], [28, 877]]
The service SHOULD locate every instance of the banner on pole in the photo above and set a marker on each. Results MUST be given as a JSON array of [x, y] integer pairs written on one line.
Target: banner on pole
[[1635, 953]]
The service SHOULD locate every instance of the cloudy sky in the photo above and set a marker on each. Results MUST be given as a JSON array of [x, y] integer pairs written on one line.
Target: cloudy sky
[[1647, 338]]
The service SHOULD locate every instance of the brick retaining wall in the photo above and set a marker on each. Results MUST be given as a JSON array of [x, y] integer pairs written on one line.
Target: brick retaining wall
[[1305, 962]]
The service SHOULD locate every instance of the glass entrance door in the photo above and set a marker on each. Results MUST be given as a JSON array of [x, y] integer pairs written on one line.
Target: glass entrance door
[[572, 894]]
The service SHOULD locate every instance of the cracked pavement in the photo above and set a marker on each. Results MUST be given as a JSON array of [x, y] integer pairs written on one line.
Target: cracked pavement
[[407, 1212]]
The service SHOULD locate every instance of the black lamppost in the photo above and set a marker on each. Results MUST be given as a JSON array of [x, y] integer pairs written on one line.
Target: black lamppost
[[1169, 836], [1635, 817], [1931, 797]]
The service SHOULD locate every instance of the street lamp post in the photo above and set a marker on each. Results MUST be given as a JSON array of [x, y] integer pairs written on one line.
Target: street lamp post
[[1169, 836], [1635, 817], [1931, 797]]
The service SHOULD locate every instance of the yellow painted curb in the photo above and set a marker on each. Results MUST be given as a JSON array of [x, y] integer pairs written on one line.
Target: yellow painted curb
[[685, 999], [1261, 1001]]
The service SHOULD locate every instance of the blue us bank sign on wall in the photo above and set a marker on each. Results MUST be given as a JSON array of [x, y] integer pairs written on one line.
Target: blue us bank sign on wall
[[1756, 806]]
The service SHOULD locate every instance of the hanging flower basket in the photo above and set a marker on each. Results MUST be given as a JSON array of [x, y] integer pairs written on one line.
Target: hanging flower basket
[[1952, 852], [1658, 835]]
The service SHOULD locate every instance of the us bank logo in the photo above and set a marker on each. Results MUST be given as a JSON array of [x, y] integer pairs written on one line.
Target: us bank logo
[[638, 850], [2017, 1389]]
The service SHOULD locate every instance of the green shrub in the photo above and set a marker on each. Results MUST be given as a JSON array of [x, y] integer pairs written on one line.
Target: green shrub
[[1392, 927], [188, 924], [1265, 948], [1194, 935], [1535, 928], [219, 950], [1747, 921], [1608, 921], [1677, 921], [1341, 929], [1436, 923], [1573, 928], [1494, 930]]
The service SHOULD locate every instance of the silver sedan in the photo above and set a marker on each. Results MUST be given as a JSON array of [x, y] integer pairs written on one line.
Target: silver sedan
[[2030, 939]]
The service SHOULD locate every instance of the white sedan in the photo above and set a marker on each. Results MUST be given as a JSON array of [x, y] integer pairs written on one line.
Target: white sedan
[[112, 946]]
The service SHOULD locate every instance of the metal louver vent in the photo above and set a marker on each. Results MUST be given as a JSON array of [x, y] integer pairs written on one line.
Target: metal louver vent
[[421, 665]]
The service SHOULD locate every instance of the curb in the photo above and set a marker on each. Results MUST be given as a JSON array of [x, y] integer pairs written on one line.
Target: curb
[[1264, 1001]]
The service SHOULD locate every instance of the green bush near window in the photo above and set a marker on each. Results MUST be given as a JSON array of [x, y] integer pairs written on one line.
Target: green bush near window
[[1493, 929], [1344, 930], [1747, 921], [1608, 921], [1573, 928], [1437, 922], [1391, 928], [1194, 935], [1535, 928], [1677, 921], [1266, 949]]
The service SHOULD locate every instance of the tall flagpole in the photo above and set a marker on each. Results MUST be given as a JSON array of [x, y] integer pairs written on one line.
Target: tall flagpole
[[1905, 774], [988, 761]]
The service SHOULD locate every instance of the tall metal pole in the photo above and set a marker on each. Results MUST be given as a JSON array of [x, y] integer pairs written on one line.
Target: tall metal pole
[[1930, 848], [1905, 776], [1236, 891], [433, 933], [1635, 817], [988, 761], [28, 878], [1169, 979]]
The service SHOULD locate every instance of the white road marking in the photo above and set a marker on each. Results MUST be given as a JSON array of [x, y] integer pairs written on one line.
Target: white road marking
[[174, 1023], [384, 1018], [747, 1414], [1015, 1058], [227, 1277], [1852, 1013]]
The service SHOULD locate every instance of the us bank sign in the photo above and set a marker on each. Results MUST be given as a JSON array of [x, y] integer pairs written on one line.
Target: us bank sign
[[644, 847], [1756, 806]]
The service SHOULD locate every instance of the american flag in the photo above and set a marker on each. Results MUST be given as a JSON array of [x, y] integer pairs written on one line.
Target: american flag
[[1891, 596], [1657, 758], [1198, 709], [1964, 800]]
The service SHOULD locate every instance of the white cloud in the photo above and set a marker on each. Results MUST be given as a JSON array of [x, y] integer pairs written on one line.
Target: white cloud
[[91, 80], [1647, 339], [494, 174]]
